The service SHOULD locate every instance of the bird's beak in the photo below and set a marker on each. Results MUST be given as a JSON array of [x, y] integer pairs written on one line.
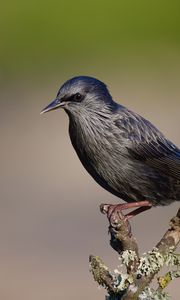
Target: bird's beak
[[55, 104]]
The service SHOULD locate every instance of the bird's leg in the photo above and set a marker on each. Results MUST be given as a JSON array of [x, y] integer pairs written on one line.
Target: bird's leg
[[112, 210], [137, 211]]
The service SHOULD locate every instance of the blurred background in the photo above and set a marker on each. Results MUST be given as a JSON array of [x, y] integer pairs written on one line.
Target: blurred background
[[49, 207]]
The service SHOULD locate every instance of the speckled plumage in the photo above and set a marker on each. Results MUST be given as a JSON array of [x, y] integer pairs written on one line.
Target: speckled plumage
[[121, 150]]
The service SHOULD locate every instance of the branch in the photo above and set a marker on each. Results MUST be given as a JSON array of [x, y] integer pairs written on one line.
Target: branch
[[158, 257], [101, 274], [140, 270], [121, 237]]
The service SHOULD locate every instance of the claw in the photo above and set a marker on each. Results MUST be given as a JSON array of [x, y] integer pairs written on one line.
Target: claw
[[115, 215]]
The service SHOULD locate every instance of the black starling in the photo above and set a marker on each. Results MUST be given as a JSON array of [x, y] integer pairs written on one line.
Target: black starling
[[122, 151]]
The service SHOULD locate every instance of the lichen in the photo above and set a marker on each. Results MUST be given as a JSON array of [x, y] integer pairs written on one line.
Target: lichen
[[98, 269], [122, 281], [128, 256], [172, 259], [163, 281], [151, 294], [151, 262]]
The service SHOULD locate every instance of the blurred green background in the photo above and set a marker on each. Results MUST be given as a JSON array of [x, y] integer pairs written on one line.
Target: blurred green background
[[41, 37], [49, 214]]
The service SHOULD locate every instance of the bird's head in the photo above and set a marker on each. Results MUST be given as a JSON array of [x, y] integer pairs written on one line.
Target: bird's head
[[79, 93]]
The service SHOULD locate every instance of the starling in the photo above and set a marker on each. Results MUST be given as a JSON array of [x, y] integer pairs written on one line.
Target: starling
[[122, 151]]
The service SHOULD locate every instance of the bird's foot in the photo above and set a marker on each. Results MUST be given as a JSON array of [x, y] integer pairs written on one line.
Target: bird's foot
[[114, 212]]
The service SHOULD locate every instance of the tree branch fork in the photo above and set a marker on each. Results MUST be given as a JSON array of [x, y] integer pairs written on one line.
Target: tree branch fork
[[135, 283]]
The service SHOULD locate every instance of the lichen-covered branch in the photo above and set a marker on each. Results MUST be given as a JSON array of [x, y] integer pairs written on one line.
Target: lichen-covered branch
[[122, 239], [157, 258], [101, 274], [140, 271]]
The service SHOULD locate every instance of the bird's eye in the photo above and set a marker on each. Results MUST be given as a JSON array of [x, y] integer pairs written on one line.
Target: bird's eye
[[78, 97]]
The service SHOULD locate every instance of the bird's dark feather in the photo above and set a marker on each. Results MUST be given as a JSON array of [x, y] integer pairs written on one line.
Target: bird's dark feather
[[149, 144]]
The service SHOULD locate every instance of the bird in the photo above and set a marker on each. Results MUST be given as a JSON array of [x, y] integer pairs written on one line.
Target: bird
[[125, 153]]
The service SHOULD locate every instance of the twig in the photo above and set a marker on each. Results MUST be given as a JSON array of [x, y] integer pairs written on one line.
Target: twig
[[101, 274]]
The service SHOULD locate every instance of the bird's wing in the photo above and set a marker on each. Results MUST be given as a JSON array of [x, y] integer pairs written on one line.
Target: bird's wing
[[146, 143]]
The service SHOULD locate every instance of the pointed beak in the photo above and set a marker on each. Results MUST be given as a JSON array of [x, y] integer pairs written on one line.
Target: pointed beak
[[55, 104]]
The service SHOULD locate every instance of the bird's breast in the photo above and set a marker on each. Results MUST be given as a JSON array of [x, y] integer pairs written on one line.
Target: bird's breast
[[100, 150]]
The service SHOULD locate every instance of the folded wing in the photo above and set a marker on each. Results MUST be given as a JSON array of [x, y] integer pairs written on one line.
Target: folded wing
[[146, 143]]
